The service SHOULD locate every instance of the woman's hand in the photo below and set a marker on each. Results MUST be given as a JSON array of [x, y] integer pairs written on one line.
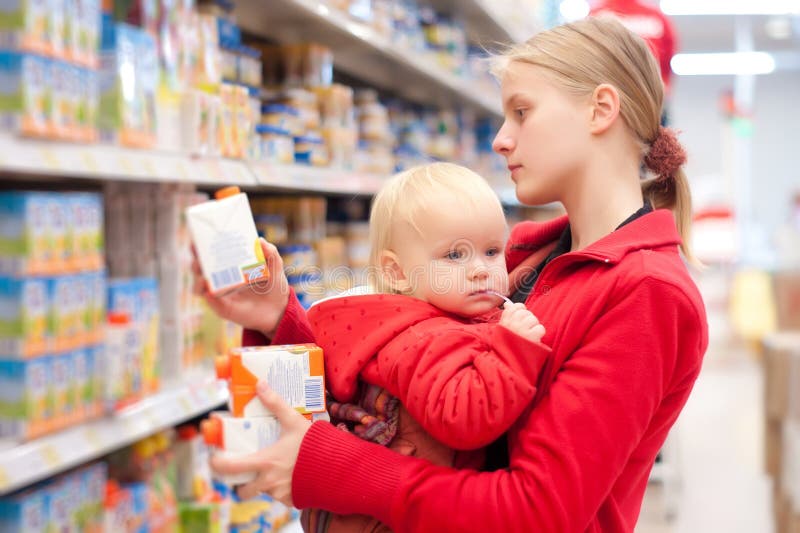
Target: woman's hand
[[274, 465], [259, 306]]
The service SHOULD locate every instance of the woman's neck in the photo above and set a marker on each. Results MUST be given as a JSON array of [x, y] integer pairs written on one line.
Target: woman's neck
[[601, 205]]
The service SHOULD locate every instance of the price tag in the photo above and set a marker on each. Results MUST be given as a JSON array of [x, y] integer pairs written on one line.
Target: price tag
[[50, 456], [153, 419], [186, 405], [90, 162], [93, 439], [148, 167], [125, 164], [50, 159], [183, 172]]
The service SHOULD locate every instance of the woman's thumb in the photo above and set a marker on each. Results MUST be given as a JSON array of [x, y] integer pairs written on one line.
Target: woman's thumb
[[276, 405]]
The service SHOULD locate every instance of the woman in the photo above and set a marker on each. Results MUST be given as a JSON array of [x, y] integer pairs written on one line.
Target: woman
[[625, 322]]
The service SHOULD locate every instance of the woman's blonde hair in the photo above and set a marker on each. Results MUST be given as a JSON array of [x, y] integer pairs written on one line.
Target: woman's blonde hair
[[584, 54], [414, 195]]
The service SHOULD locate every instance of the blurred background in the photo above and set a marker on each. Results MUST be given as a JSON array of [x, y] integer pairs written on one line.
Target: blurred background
[[118, 115]]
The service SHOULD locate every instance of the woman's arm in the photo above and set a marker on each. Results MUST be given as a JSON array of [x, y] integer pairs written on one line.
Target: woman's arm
[[267, 310], [567, 454], [293, 327], [465, 384]]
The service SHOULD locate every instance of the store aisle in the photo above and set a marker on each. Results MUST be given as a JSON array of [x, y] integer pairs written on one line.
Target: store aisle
[[720, 442]]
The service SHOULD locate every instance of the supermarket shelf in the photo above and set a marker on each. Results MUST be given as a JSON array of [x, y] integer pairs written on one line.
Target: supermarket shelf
[[325, 180], [484, 25], [96, 161], [362, 52], [28, 463]]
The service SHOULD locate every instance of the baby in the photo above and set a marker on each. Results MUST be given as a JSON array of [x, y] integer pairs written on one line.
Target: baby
[[428, 364]]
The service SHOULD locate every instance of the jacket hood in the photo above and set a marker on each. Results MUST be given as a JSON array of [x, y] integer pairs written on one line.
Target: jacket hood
[[352, 330]]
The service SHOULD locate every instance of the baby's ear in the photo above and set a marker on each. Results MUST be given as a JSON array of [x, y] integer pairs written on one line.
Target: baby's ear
[[391, 273]]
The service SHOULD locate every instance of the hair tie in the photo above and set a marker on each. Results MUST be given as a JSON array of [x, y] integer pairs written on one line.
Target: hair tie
[[666, 155]]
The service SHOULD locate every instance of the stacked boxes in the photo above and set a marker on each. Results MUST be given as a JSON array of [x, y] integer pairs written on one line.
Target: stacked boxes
[[48, 61], [71, 502], [296, 372], [782, 429], [52, 307]]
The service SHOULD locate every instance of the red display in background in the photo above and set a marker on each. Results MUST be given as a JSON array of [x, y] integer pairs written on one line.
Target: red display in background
[[648, 22]]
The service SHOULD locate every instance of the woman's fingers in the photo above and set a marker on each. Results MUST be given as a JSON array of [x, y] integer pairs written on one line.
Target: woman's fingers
[[281, 410], [240, 464]]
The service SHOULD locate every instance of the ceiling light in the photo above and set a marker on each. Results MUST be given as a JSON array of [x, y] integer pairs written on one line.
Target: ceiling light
[[573, 9], [736, 63], [730, 7]]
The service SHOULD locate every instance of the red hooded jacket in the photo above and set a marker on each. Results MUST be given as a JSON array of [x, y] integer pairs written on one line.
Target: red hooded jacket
[[464, 381], [627, 330]]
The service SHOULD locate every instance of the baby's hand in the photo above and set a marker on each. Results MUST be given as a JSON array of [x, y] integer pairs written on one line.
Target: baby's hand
[[519, 320]]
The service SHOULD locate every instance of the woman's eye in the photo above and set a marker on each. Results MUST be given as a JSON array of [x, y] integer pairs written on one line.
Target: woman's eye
[[520, 112]]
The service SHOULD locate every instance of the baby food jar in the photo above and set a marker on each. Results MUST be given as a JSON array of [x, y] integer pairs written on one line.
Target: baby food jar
[[282, 116], [310, 150], [277, 145]]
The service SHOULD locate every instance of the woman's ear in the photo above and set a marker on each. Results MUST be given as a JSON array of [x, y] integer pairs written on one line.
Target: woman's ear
[[605, 108], [392, 272]]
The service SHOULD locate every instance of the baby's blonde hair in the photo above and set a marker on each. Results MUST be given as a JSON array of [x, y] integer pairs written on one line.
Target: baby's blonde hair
[[411, 195], [584, 54]]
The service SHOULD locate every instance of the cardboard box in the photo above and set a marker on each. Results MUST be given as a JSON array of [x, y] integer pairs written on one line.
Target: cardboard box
[[782, 375], [787, 299], [776, 376], [294, 371], [773, 448], [226, 241], [790, 464]]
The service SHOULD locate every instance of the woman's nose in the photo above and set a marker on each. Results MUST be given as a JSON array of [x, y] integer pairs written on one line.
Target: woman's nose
[[503, 142]]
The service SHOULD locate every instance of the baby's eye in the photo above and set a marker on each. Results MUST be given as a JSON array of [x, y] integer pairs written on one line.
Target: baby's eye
[[491, 252], [454, 255]]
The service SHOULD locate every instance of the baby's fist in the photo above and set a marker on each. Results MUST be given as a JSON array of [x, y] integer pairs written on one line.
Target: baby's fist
[[517, 319]]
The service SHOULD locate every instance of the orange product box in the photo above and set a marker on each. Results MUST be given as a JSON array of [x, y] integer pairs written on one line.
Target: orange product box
[[295, 371], [236, 437]]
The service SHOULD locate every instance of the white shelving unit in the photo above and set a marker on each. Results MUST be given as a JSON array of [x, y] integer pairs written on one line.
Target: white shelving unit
[[359, 51], [483, 23], [96, 161], [364, 53], [33, 158], [326, 180], [28, 463]]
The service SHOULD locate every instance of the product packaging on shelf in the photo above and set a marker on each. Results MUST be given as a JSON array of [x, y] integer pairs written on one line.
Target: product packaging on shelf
[[82, 31], [128, 80], [226, 241], [24, 330], [71, 502], [119, 369], [276, 145], [200, 122], [25, 93], [25, 398], [194, 474], [25, 243], [61, 386], [296, 372], [205, 517]]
